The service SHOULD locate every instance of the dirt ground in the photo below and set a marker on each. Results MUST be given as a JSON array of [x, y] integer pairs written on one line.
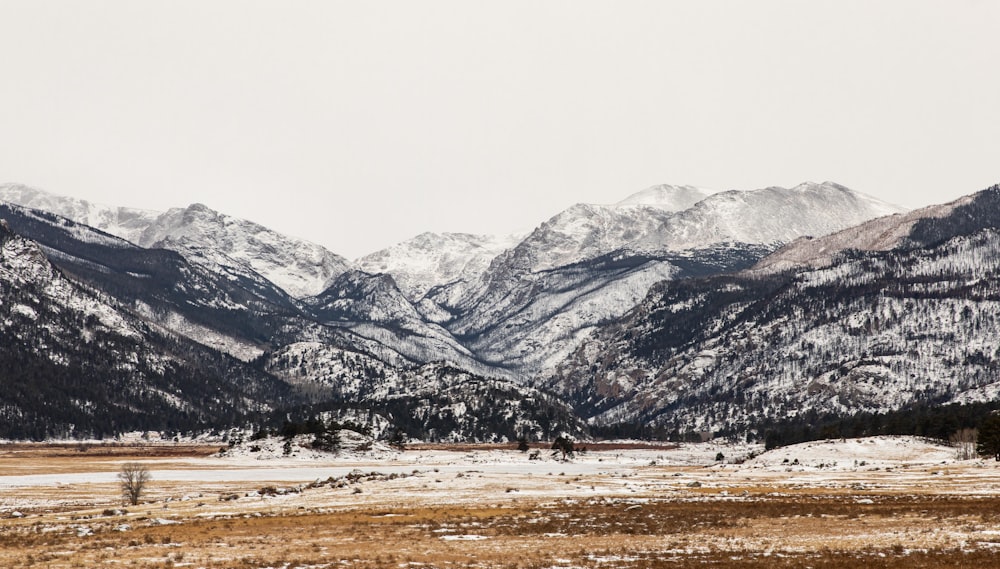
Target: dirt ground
[[471, 507]]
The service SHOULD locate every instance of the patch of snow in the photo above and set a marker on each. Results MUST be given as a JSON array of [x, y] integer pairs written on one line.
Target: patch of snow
[[435, 259], [843, 454], [880, 234], [24, 310]]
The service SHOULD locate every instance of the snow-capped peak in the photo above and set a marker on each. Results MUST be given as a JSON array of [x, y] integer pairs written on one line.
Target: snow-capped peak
[[880, 234], [768, 216], [667, 197], [432, 259], [875, 205], [203, 235], [772, 215], [127, 223]]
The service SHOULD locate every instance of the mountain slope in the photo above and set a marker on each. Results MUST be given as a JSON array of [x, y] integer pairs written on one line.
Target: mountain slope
[[216, 241], [549, 313], [454, 261], [243, 316], [880, 234], [870, 331], [540, 298], [431, 402], [436, 259], [73, 363], [371, 313], [127, 223], [487, 318], [667, 197], [770, 216], [236, 315]]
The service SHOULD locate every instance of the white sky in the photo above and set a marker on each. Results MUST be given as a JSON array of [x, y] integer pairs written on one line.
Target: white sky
[[359, 124]]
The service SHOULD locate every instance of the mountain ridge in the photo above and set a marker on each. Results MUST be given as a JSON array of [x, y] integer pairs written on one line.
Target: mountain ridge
[[863, 331], [531, 284], [75, 364], [214, 240], [513, 316]]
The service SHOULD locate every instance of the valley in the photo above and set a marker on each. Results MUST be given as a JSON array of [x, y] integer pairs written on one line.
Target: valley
[[499, 285], [885, 501]]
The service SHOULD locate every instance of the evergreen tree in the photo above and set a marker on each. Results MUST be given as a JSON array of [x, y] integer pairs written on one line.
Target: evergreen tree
[[989, 437], [327, 439]]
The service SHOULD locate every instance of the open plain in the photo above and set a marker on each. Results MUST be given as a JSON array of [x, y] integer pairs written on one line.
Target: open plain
[[880, 502]]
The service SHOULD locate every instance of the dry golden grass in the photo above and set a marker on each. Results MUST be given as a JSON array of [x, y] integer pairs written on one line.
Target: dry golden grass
[[780, 532], [44, 458], [434, 519], [127, 450], [585, 447]]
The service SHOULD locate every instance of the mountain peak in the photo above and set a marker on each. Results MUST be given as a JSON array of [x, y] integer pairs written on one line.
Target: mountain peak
[[201, 234], [826, 185], [432, 259], [200, 207], [13, 191], [667, 197], [690, 218], [921, 226]]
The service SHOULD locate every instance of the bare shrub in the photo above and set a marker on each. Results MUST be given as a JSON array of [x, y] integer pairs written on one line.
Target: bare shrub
[[133, 478], [964, 442]]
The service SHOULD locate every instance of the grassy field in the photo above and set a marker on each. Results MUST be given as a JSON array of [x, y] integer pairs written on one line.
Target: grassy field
[[454, 508]]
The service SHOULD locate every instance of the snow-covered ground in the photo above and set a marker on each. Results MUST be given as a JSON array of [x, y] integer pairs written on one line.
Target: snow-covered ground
[[269, 463], [860, 500], [874, 452]]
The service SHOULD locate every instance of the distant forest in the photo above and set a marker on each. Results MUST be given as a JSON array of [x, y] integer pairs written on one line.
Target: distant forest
[[924, 420]]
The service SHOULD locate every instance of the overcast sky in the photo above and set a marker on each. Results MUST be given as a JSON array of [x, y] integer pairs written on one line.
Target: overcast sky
[[359, 124]]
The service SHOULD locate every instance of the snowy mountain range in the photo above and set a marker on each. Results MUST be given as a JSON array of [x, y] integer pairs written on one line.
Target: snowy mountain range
[[504, 306], [674, 307], [590, 264], [215, 241], [894, 312], [73, 363]]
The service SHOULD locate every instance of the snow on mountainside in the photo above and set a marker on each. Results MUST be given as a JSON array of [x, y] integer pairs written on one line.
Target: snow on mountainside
[[559, 308], [434, 259], [127, 223], [494, 306], [75, 363], [204, 236], [881, 234], [456, 260], [376, 317], [871, 331], [592, 263], [431, 402], [348, 375], [667, 197], [769, 216], [161, 285], [587, 231], [24, 267]]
